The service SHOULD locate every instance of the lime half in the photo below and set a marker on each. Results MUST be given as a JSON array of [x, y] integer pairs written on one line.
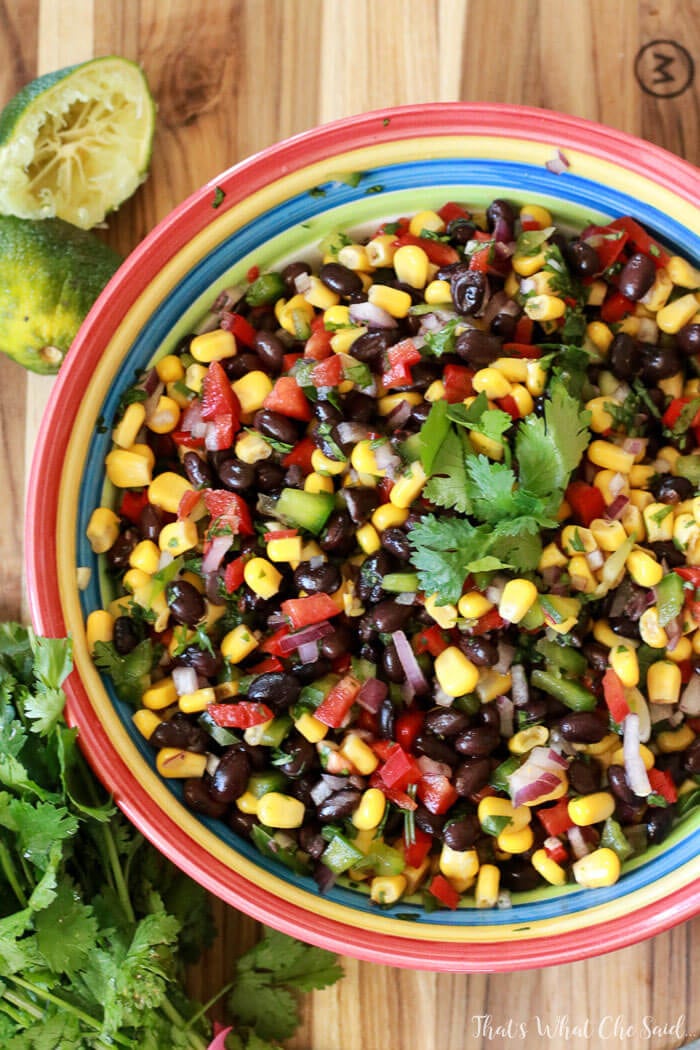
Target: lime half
[[77, 142]]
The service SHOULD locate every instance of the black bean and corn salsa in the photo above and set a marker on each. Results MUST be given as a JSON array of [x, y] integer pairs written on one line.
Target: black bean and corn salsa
[[407, 549]]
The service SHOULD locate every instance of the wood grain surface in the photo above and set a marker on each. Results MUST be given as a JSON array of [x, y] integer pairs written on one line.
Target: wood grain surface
[[233, 76]]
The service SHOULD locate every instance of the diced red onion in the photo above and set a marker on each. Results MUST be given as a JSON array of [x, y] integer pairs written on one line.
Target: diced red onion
[[318, 559], [430, 323], [320, 792], [617, 484], [506, 710], [372, 694], [397, 417], [527, 284], [185, 680], [150, 381], [429, 765], [551, 842], [520, 689], [674, 631], [559, 744], [411, 667], [218, 546], [496, 305], [613, 512], [441, 698], [640, 707], [351, 432], [503, 249], [506, 653], [634, 445], [313, 633], [557, 164], [579, 846], [192, 418], [595, 559], [621, 392], [531, 784], [335, 782], [373, 316], [405, 598], [165, 559], [151, 403], [302, 283], [495, 589], [635, 770], [577, 582], [308, 652], [555, 757], [323, 877], [386, 459], [212, 764], [690, 697], [208, 324], [552, 574]]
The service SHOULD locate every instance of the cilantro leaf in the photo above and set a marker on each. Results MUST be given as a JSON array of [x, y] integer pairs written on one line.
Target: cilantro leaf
[[443, 341], [44, 709], [129, 673], [449, 487], [549, 449], [446, 551], [78, 926], [491, 422], [432, 434]]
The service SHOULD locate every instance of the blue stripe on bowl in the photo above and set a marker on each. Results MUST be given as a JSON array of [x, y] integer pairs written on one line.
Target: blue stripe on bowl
[[499, 178]]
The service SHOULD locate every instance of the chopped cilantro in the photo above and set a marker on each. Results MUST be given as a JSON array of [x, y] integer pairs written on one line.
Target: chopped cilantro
[[448, 486], [530, 242], [218, 197], [443, 341]]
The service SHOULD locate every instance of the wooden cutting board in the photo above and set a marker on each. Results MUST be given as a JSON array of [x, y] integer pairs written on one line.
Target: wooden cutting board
[[233, 76]]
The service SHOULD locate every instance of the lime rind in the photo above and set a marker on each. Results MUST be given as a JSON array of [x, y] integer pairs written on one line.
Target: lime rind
[[76, 143]]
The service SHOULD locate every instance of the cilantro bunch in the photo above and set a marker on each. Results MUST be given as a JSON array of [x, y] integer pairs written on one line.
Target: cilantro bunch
[[500, 507], [96, 927]]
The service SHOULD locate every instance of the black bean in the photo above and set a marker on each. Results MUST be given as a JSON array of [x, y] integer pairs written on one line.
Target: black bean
[[119, 553], [535, 710], [395, 541], [311, 840], [196, 795], [388, 616], [318, 578], [617, 782], [360, 503], [624, 357], [460, 230], [242, 823], [478, 348], [185, 602], [236, 475], [230, 778], [386, 718], [372, 345], [339, 805], [468, 288], [583, 259], [326, 412], [666, 550], [478, 742], [269, 477], [461, 833], [584, 777], [688, 338], [672, 763], [126, 635], [446, 721], [691, 762], [197, 470], [481, 651], [660, 362], [306, 673], [503, 325], [336, 644], [582, 727], [301, 756], [597, 655], [500, 213], [392, 667], [359, 407], [435, 748], [338, 537], [278, 689], [241, 364], [637, 276], [431, 823], [418, 415], [150, 523], [180, 732], [424, 374], [374, 568], [519, 876], [275, 425], [205, 663], [270, 349], [291, 272], [659, 822], [472, 775], [340, 279], [669, 489]]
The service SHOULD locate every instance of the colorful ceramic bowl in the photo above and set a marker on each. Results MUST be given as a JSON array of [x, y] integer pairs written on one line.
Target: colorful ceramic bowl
[[268, 208]]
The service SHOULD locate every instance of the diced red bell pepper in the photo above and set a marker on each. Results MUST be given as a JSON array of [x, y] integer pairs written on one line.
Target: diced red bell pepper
[[510, 405], [556, 850], [555, 819], [407, 727], [487, 791], [490, 621], [481, 260], [334, 707], [614, 693], [132, 503], [188, 501], [395, 795], [662, 784], [396, 226], [228, 509], [436, 792], [218, 397], [268, 666], [607, 241], [318, 345], [690, 573], [400, 358], [400, 769], [281, 534], [444, 892], [526, 350], [287, 398], [430, 640], [328, 372], [458, 383], [414, 853], [641, 240], [233, 575], [384, 489], [686, 669], [383, 748], [367, 720], [241, 329], [439, 253], [523, 330], [673, 412], [300, 456], [289, 360], [271, 644], [451, 211], [253, 274], [314, 608], [184, 439], [241, 715], [586, 502], [615, 307]]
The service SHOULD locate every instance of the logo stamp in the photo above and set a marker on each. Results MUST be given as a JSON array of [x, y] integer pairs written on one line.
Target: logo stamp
[[664, 68]]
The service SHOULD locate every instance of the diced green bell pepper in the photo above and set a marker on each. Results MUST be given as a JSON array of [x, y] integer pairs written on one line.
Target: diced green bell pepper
[[305, 510], [669, 597], [340, 854]]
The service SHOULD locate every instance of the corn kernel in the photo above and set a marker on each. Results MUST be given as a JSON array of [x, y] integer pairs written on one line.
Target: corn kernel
[[170, 369], [550, 871], [675, 740], [545, 307], [551, 557], [597, 869], [481, 443], [495, 806], [127, 469], [396, 302], [456, 674], [658, 521], [513, 368], [355, 257], [492, 383], [644, 569], [535, 213], [408, 486], [102, 529], [575, 539], [435, 392], [319, 294], [526, 739], [610, 484], [658, 294], [611, 457], [492, 684], [248, 803], [368, 538], [295, 316], [364, 461], [381, 250], [458, 864], [601, 336], [685, 530], [603, 633], [323, 464], [608, 535], [411, 265], [173, 762], [597, 291], [387, 889], [99, 627], [199, 700], [473, 605], [625, 663], [310, 727], [387, 404], [591, 809], [641, 475], [286, 550], [672, 317], [276, 810], [682, 273], [426, 220], [165, 417], [145, 556], [438, 292], [178, 536], [651, 630], [664, 682], [238, 643], [262, 577], [318, 483], [251, 391], [683, 650], [127, 429], [517, 599], [516, 841], [370, 809], [341, 341], [527, 265], [487, 886], [672, 386], [523, 399], [581, 575], [146, 722], [387, 516], [167, 489], [251, 448], [194, 376], [213, 346], [160, 695]]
